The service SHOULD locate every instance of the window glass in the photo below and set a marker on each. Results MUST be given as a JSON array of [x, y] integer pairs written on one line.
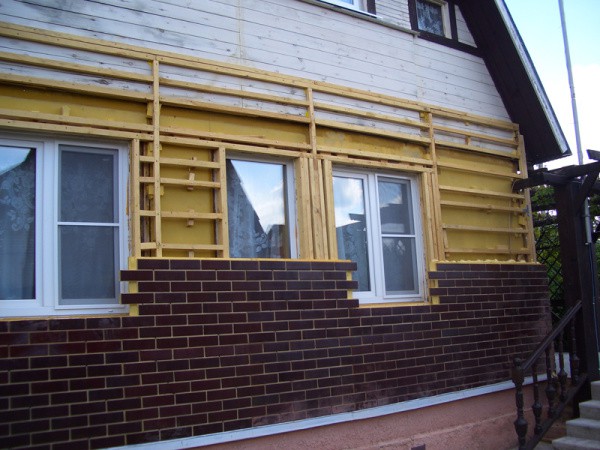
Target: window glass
[[87, 265], [430, 17], [399, 264], [87, 185], [351, 226], [17, 223], [257, 209], [395, 209], [398, 240], [88, 249]]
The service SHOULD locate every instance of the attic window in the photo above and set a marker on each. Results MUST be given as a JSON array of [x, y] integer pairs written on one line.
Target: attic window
[[367, 6], [432, 17]]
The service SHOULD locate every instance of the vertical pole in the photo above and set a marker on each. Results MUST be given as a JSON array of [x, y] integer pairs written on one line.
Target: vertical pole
[[578, 273]]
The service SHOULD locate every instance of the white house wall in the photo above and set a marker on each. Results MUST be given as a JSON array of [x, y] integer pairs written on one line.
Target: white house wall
[[292, 37]]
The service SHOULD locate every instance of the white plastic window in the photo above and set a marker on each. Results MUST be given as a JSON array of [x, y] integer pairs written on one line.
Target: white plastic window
[[63, 228], [377, 226]]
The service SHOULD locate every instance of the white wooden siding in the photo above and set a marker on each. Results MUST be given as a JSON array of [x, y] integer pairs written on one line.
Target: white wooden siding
[[286, 36]]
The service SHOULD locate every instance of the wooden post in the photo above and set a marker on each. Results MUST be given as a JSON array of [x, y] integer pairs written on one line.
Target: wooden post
[[579, 271]]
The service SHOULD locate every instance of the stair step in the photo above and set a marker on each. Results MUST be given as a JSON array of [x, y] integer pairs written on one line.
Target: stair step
[[584, 428], [572, 443], [596, 390], [590, 409]]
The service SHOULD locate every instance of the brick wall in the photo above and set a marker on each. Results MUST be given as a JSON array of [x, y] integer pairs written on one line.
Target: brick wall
[[223, 345]]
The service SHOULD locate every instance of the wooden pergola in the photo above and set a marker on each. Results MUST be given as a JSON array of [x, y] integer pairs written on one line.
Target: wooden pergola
[[572, 187]]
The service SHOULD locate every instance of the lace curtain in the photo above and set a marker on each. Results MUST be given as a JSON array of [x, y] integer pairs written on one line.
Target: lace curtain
[[17, 223]]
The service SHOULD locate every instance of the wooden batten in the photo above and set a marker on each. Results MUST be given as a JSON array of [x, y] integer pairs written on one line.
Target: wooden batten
[[177, 176]]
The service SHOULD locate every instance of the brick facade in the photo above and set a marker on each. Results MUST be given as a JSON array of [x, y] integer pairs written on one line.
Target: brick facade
[[223, 345]]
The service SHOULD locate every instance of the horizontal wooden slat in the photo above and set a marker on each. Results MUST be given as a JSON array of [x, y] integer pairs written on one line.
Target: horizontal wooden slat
[[73, 120], [481, 170], [182, 182], [72, 129], [178, 135], [370, 115], [373, 131], [235, 110], [233, 92], [191, 215], [199, 247], [481, 207], [485, 137], [382, 165], [491, 251], [95, 90], [73, 67], [374, 155], [484, 229], [476, 149], [480, 192]]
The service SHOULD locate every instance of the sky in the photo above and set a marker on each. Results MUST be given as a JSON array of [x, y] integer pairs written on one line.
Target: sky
[[539, 24]]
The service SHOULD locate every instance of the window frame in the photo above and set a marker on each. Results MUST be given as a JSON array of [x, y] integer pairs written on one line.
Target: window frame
[[362, 6], [377, 293], [290, 195], [450, 37], [47, 251]]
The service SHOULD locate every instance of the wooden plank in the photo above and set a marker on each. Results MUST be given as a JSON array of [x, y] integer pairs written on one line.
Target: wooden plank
[[134, 195], [191, 215], [374, 155], [369, 115], [372, 131], [429, 227], [72, 129], [530, 238], [476, 149], [193, 247], [178, 133], [182, 162], [156, 178], [440, 235], [480, 207], [180, 182], [329, 211], [484, 229], [317, 200], [480, 170], [233, 92], [382, 165], [491, 251], [234, 110], [222, 227], [73, 67], [93, 90], [481, 192], [74, 120], [304, 212]]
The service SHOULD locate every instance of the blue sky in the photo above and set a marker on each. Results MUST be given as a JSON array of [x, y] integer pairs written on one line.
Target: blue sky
[[539, 24]]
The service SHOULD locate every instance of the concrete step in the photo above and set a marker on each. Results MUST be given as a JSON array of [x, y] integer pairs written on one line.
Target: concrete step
[[584, 428], [590, 409], [572, 443], [596, 390]]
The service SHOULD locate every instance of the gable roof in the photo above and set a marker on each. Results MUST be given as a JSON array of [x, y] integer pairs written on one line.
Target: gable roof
[[515, 77]]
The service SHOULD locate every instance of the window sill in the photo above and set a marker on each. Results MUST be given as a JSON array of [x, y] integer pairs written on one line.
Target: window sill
[[394, 304]]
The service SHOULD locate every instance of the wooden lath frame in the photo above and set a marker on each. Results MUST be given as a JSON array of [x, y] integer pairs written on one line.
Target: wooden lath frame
[[313, 159]]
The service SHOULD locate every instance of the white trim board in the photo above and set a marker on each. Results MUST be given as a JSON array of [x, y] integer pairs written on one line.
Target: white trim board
[[287, 427]]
